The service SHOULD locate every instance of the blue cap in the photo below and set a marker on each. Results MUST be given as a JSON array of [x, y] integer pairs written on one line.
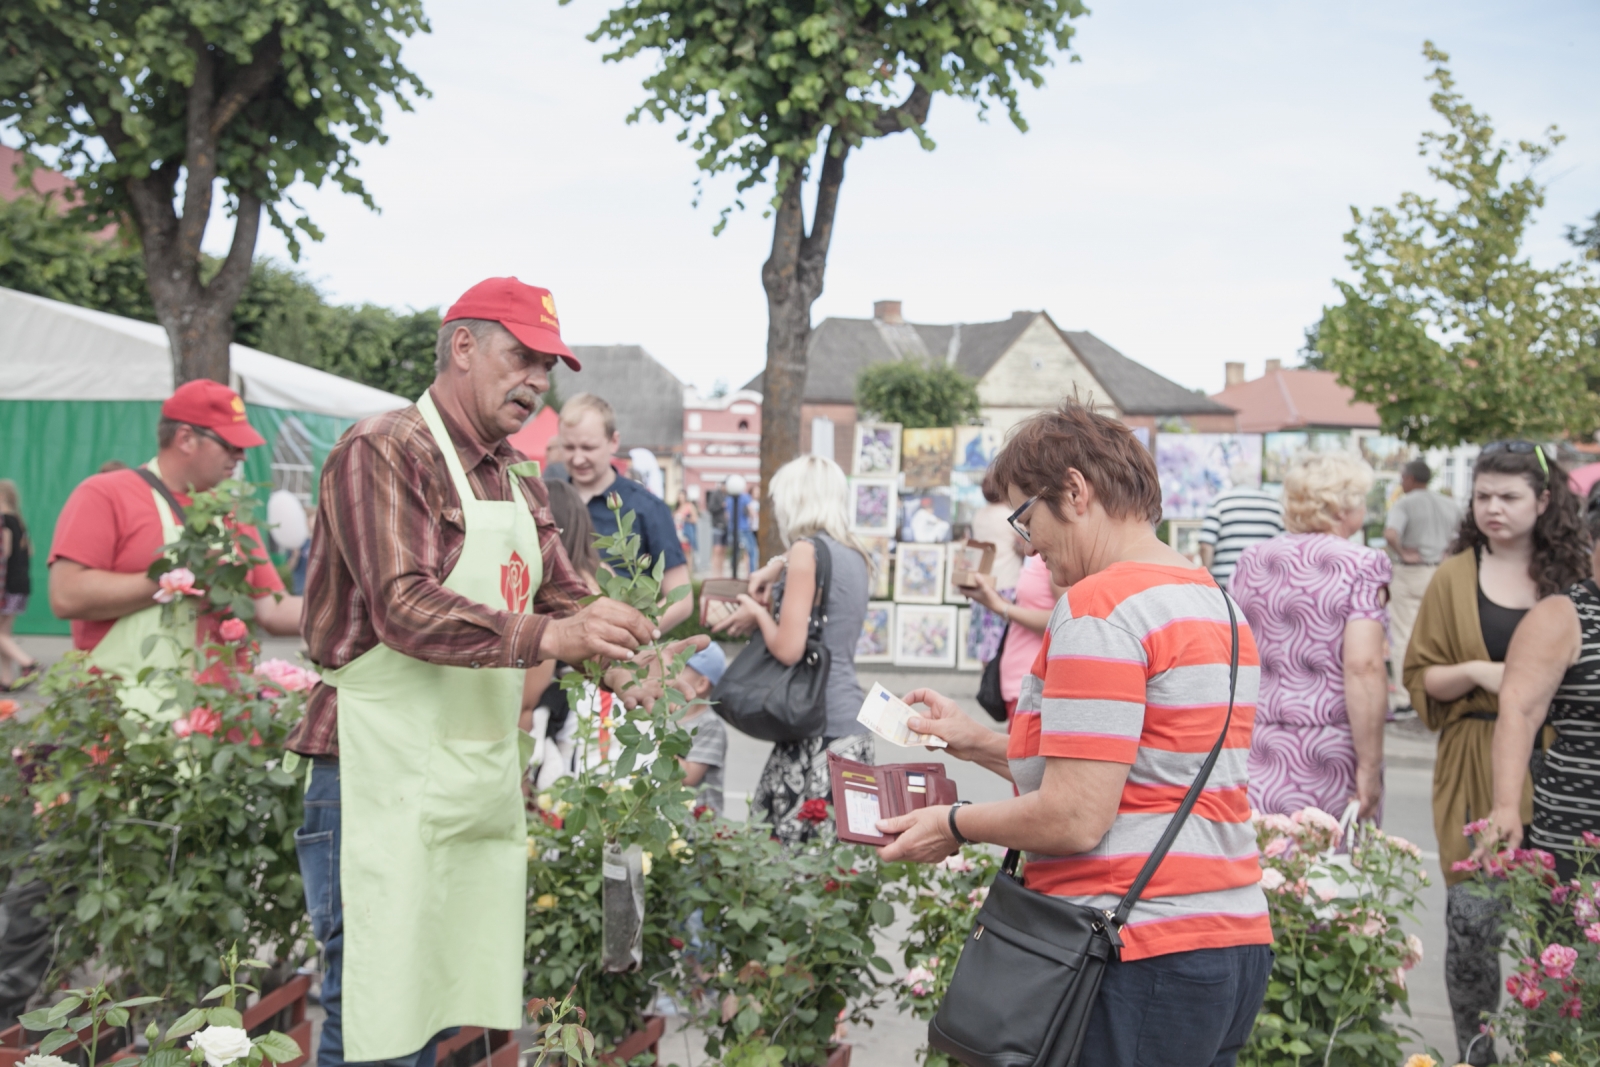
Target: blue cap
[[710, 662]]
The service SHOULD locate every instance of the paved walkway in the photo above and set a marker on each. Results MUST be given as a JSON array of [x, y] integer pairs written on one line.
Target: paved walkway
[[893, 1038]]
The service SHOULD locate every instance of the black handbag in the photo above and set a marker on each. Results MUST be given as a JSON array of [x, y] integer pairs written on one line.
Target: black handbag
[[770, 701], [989, 698], [1029, 974]]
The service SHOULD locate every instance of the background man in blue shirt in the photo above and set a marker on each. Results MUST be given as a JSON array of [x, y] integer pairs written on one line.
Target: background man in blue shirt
[[589, 432]]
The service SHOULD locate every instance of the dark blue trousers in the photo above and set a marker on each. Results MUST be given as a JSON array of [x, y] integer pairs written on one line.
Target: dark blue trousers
[[1187, 1009]]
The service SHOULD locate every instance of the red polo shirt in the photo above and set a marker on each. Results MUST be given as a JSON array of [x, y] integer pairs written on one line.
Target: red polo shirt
[[110, 523]]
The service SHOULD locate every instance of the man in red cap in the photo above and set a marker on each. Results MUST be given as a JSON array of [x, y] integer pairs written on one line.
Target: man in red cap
[[115, 524], [436, 579]]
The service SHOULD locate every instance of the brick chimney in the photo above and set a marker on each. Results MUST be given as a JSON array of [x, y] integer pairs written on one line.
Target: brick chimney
[[887, 311], [1274, 365], [1233, 375]]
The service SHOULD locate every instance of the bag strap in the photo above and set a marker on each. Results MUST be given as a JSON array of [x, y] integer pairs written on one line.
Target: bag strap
[[819, 600], [1159, 853], [161, 487]]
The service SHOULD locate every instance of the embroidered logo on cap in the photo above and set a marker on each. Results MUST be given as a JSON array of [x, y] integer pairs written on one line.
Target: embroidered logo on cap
[[238, 409]]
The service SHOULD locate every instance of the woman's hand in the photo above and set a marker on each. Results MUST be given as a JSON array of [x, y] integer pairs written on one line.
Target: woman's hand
[[1369, 790], [1505, 831], [924, 835], [762, 580], [982, 591], [745, 618], [968, 739], [1488, 675]]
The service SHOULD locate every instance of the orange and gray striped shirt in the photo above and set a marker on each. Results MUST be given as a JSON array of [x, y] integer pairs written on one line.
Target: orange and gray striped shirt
[[1134, 670]]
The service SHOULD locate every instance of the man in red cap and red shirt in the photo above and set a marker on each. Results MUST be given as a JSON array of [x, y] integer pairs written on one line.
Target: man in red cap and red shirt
[[436, 579], [114, 525]]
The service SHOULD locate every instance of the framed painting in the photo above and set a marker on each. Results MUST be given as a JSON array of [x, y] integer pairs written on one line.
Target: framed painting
[[918, 574], [1195, 468], [1184, 537], [926, 456], [965, 660], [880, 550], [925, 516], [877, 450], [876, 644], [924, 636], [976, 447], [872, 506]]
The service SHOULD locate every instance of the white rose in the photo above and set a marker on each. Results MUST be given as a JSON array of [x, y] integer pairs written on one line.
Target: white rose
[[221, 1044], [37, 1060]]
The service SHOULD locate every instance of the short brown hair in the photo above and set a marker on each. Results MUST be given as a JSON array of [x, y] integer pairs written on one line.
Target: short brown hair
[[573, 408], [1041, 451]]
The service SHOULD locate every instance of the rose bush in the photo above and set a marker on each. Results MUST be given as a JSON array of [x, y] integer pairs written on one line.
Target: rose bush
[[1553, 930], [1341, 953]]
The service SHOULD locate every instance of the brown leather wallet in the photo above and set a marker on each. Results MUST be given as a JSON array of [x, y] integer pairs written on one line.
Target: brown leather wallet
[[719, 598], [863, 794]]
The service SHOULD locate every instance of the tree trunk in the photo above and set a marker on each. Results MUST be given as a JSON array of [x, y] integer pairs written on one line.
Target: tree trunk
[[198, 316]]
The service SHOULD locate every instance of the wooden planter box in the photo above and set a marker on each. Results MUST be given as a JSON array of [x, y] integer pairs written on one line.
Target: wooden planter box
[[639, 1041], [502, 1048], [282, 1009]]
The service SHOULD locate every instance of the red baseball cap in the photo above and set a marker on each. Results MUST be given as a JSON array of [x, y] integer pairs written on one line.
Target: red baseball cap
[[214, 406], [526, 310]]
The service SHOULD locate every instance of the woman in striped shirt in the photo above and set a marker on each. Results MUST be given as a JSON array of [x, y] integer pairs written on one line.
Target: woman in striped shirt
[[1115, 719]]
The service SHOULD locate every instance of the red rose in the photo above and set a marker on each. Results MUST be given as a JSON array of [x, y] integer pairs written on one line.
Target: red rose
[[813, 811]]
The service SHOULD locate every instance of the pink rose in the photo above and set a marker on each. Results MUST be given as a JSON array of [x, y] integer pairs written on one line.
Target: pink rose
[[1558, 960], [1584, 910], [1473, 829], [1272, 879], [179, 581], [200, 721], [233, 630], [1592, 932], [1559, 894], [287, 676], [1573, 1008], [1276, 848]]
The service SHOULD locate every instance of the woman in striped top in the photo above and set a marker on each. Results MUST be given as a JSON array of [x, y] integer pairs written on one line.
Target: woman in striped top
[[1116, 717], [1552, 675]]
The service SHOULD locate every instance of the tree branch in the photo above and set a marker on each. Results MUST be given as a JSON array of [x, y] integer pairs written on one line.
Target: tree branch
[[814, 249], [200, 150], [248, 83], [914, 112], [229, 283]]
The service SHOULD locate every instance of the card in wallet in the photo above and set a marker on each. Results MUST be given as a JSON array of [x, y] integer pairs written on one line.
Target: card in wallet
[[863, 794], [719, 598]]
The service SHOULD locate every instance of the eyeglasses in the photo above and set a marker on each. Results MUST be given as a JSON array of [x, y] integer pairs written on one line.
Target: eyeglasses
[[1022, 531], [204, 431], [1518, 448]]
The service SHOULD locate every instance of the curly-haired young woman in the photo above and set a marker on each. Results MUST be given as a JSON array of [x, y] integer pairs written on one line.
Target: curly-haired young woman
[[1522, 539]]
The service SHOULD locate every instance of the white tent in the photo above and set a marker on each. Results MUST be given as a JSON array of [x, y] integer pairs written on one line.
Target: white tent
[[55, 351], [80, 387]]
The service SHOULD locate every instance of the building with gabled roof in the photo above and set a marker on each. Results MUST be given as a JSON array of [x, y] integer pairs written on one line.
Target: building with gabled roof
[[1298, 398], [1022, 365]]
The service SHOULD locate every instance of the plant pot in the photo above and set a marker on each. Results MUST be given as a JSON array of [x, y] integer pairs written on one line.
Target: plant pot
[[840, 1056], [471, 1048], [639, 1041]]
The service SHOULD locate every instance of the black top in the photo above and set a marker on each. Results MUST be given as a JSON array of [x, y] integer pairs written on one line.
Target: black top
[[1566, 794], [17, 580], [1498, 624]]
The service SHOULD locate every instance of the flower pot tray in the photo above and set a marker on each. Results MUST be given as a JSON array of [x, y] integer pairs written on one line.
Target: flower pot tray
[[639, 1041]]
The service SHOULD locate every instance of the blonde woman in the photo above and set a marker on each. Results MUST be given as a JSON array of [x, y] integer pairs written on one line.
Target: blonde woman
[[808, 497], [1317, 603], [17, 669]]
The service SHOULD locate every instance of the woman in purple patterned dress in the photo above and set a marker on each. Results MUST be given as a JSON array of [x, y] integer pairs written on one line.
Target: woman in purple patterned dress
[[1315, 601]]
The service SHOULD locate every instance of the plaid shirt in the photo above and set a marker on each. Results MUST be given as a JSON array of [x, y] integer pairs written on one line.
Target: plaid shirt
[[389, 530]]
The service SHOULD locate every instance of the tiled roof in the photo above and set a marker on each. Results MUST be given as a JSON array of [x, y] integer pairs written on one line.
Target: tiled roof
[[648, 398], [1296, 400], [841, 348]]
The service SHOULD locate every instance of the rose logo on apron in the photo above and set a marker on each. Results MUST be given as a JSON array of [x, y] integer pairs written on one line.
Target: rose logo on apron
[[514, 583]]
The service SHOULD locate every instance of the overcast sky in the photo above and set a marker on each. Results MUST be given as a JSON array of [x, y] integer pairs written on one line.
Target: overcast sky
[[1182, 191]]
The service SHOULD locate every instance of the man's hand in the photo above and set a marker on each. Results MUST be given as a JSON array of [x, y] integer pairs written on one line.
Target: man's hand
[[605, 629], [635, 690], [924, 836]]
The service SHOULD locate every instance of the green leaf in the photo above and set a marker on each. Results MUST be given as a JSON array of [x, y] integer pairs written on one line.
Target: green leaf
[[216, 992], [63, 1008], [279, 1048], [56, 1040], [138, 1002], [187, 1023], [117, 1016], [224, 1017], [167, 1057]]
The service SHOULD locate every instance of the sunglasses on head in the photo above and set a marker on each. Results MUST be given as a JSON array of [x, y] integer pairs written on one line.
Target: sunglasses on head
[[1518, 448]]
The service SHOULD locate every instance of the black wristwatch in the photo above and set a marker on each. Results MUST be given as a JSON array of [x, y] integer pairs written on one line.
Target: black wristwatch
[[955, 833]]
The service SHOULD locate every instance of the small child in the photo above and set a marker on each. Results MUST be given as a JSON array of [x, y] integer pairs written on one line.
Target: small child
[[702, 767]]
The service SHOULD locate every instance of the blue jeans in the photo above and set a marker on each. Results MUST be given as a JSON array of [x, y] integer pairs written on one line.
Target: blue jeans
[[1186, 1009], [317, 844]]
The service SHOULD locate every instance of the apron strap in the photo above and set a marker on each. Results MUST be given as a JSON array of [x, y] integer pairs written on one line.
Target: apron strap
[[441, 437]]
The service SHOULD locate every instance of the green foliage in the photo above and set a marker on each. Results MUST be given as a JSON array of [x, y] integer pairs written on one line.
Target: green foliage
[[284, 313], [1587, 239], [1340, 954], [1449, 328], [571, 1041], [943, 901], [45, 252], [916, 395], [211, 547], [100, 1015], [757, 84], [301, 81], [160, 843]]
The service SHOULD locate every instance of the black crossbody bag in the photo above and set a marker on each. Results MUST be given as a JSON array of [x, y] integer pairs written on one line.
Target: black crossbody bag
[[762, 697], [1029, 975]]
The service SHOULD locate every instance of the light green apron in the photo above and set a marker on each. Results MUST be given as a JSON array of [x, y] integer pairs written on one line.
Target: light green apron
[[433, 855], [121, 651]]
